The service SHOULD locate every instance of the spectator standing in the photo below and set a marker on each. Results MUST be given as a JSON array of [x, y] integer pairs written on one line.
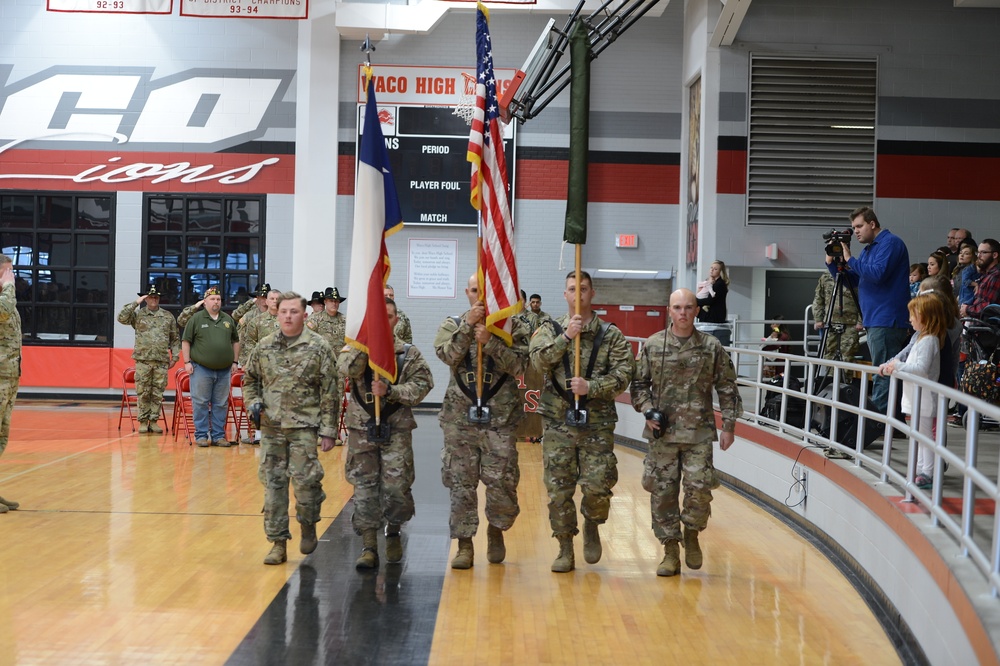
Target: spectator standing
[[988, 286], [937, 264], [961, 274], [879, 276], [956, 237], [711, 295], [917, 273]]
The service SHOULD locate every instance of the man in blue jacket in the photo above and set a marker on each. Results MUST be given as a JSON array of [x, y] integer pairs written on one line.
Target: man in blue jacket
[[880, 276]]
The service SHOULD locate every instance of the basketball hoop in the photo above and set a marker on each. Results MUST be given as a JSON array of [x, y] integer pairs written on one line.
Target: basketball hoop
[[466, 107]]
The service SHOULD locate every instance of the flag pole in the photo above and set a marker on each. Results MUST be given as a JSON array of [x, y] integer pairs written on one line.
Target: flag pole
[[479, 295], [576, 340]]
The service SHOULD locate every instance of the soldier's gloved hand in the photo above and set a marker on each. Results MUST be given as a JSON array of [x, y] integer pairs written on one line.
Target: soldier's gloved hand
[[657, 421], [255, 411]]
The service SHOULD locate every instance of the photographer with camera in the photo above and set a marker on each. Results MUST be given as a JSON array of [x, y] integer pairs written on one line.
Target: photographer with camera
[[880, 275], [675, 373]]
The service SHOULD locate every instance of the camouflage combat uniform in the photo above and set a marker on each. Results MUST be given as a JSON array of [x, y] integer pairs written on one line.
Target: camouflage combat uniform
[[677, 377], [845, 313], [185, 316], [10, 359], [295, 380], [583, 455], [382, 472], [261, 326], [403, 332], [157, 347], [247, 307], [471, 452], [332, 329], [241, 331]]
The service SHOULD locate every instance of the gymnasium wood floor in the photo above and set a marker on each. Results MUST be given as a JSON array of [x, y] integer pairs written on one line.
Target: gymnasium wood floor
[[136, 549]]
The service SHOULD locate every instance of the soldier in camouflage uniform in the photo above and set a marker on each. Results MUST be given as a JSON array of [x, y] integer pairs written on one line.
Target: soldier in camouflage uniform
[[157, 348], [315, 304], [480, 451], [536, 316], [331, 324], [402, 332], [845, 314], [291, 383], [674, 377], [10, 357], [246, 318], [580, 453], [382, 471]]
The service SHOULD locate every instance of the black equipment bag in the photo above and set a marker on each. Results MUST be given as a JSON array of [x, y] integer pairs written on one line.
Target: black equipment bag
[[795, 408], [847, 422]]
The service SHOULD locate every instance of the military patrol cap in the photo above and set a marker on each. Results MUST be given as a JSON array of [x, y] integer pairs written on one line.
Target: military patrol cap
[[262, 290], [152, 291], [212, 291], [332, 294], [317, 297]]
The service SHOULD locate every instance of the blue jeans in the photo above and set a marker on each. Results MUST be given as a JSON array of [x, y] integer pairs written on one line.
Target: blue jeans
[[210, 393], [884, 343]]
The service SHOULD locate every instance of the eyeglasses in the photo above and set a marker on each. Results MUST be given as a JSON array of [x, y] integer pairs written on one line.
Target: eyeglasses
[[986, 252]]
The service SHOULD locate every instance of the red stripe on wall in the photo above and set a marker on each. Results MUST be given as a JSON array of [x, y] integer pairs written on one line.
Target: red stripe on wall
[[899, 176], [731, 174], [938, 177], [104, 171]]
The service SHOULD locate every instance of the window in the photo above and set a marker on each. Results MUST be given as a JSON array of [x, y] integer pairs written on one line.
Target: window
[[194, 242], [63, 256], [811, 144]]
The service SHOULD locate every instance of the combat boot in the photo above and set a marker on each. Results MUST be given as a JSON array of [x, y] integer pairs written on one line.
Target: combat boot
[[143, 427], [3, 508], [591, 542], [9, 504], [278, 554], [564, 561], [692, 549], [369, 553], [155, 427], [496, 551], [309, 541], [463, 559], [670, 565], [393, 544]]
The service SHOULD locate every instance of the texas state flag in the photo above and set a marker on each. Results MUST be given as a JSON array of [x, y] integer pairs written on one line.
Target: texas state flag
[[376, 215]]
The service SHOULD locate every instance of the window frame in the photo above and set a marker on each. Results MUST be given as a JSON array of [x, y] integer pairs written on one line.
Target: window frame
[[29, 308], [216, 275]]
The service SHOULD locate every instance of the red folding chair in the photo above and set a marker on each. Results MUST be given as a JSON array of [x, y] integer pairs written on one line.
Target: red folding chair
[[238, 415], [129, 398], [183, 409]]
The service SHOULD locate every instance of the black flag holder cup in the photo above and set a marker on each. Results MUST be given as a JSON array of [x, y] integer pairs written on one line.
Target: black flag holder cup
[[479, 414], [377, 433], [576, 418]]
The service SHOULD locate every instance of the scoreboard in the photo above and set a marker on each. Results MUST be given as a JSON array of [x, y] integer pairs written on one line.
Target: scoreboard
[[427, 148]]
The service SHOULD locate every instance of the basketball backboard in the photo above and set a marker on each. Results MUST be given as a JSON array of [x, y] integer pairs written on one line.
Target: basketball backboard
[[527, 75]]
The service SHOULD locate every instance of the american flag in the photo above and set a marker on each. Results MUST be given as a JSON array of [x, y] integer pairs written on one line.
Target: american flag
[[500, 289]]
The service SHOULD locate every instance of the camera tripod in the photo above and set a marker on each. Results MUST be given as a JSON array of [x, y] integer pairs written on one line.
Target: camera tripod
[[828, 326]]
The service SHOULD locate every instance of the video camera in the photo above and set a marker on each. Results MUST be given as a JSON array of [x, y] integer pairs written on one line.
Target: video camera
[[835, 241]]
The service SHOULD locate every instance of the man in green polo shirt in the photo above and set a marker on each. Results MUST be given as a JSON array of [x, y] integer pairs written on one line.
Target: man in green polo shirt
[[210, 346]]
